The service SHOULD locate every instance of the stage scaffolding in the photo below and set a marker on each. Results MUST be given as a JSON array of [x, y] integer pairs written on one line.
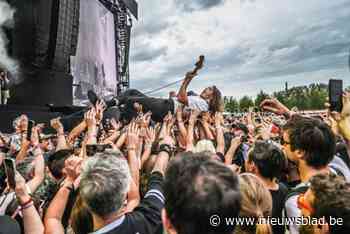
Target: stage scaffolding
[[122, 10]]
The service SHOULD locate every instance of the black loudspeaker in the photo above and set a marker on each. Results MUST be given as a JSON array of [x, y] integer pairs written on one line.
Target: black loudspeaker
[[30, 35], [45, 34], [66, 27], [43, 87]]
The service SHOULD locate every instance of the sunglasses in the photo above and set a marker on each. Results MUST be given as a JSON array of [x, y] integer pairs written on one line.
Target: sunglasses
[[303, 204]]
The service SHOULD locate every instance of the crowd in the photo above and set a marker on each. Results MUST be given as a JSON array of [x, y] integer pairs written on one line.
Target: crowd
[[188, 173]]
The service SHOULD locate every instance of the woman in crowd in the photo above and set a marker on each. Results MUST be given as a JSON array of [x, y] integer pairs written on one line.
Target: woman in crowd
[[256, 206]]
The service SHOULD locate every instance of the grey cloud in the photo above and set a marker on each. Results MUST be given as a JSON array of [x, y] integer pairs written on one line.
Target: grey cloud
[[315, 42], [147, 54], [194, 5], [152, 28]]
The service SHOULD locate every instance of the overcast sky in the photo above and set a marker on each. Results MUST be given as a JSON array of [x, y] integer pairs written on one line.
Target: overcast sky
[[249, 44]]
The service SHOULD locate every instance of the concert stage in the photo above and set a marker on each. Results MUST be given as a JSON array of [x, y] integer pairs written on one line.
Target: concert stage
[[55, 47]]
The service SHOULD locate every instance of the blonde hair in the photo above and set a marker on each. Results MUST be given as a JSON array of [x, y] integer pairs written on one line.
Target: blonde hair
[[256, 203], [204, 145]]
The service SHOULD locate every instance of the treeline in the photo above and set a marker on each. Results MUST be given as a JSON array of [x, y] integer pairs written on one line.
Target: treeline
[[310, 97]]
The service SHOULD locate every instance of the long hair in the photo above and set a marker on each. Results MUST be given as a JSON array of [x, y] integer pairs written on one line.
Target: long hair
[[256, 204], [81, 218], [215, 103]]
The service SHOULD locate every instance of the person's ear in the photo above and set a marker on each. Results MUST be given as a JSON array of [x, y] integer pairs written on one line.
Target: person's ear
[[169, 228]]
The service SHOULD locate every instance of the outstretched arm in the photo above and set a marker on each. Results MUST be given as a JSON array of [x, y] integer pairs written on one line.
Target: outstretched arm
[[182, 95]]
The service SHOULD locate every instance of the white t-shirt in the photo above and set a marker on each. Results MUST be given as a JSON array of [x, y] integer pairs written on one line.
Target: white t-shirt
[[194, 103]]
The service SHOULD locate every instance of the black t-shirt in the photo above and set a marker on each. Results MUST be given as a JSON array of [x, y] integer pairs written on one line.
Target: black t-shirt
[[146, 218], [278, 199]]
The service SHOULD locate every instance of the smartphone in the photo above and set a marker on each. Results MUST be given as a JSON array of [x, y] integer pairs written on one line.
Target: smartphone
[[335, 89], [29, 129], [10, 171]]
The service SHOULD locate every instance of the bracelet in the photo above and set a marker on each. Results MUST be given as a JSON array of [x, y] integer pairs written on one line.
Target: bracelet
[[69, 186], [148, 145], [27, 205], [27, 202], [71, 189], [165, 148]]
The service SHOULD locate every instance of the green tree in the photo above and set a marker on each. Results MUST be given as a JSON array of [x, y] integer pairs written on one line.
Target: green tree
[[231, 104], [260, 97], [245, 102]]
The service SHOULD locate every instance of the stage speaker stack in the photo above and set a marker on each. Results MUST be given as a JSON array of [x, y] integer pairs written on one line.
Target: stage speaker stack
[[42, 39]]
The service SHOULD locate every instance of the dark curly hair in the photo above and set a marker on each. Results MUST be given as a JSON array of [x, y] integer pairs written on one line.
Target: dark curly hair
[[197, 187], [332, 200], [268, 158], [312, 136]]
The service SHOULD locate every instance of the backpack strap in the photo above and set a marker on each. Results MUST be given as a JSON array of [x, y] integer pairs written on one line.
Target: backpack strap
[[294, 192], [337, 171]]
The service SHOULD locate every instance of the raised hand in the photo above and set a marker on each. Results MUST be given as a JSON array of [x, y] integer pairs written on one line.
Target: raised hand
[[167, 117], [274, 106], [133, 135], [138, 107], [35, 136], [206, 117], [150, 136], [145, 120], [72, 168], [100, 107], [57, 125], [115, 125], [23, 123], [90, 118]]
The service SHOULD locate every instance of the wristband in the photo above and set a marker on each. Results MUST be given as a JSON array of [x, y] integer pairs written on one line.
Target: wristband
[[165, 148], [27, 202], [27, 205], [69, 186]]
